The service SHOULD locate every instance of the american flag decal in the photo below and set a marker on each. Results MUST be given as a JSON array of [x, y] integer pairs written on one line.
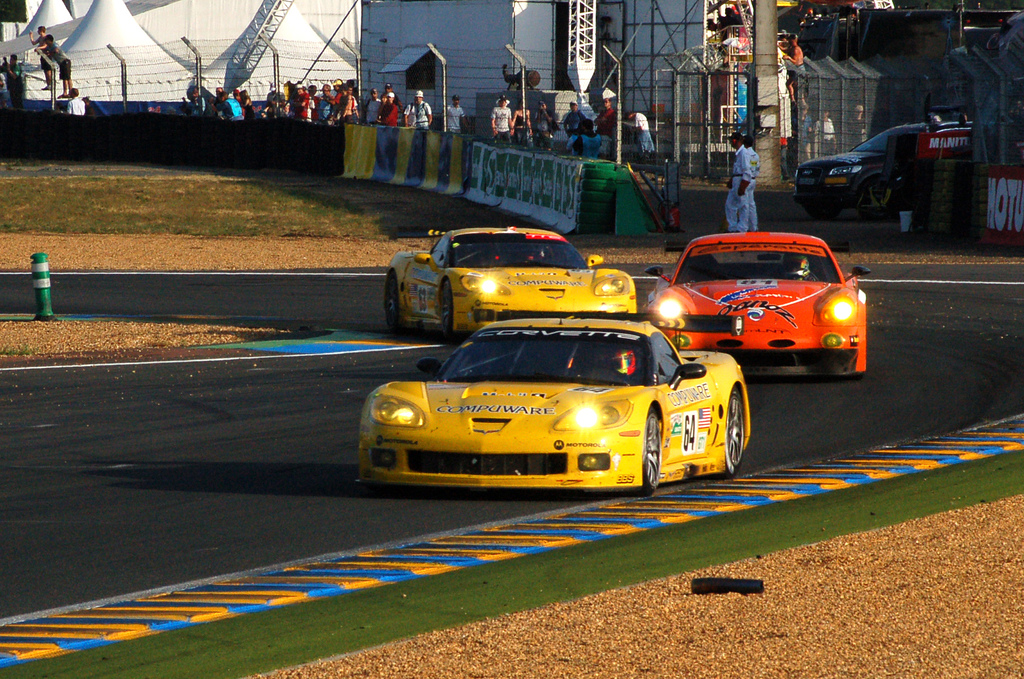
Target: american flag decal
[[704, 418]]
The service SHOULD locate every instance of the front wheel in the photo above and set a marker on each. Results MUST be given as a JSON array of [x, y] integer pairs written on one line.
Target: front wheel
[[652, 454], [447, 311], [734, 432]]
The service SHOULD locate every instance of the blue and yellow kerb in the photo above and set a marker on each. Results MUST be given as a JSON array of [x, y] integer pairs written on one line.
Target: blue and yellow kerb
[[63, 633]]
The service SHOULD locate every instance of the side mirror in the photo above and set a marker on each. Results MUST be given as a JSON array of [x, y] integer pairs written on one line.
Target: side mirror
[[422, 258], [657, 272], [688, 371], [859, 271], [594, 261], [429, 365]]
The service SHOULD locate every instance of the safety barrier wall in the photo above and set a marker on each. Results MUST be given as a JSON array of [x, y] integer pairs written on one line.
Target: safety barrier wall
[[163, 139], [536, 184], [434, 161]]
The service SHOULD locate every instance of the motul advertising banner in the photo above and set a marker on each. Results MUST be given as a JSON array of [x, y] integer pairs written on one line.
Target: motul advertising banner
[[955, 143], [1005, 223]]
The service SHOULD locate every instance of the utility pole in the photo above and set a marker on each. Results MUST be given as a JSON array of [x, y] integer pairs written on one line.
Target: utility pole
[[766, 90]]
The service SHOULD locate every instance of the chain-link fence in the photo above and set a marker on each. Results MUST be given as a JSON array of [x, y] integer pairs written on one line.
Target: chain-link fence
[[840, 105], [692, 104]]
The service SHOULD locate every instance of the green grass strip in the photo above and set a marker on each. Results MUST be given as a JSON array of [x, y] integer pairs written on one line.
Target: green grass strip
[[297, 634]]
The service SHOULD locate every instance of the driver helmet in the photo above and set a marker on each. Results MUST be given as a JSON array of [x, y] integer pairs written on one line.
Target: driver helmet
[[798, 266], [625, 362]]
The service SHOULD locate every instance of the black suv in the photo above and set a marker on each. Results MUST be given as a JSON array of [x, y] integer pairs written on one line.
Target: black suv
[[859, 178]]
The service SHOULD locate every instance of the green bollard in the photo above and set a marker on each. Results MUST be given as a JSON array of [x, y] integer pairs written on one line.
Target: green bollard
[[41, 283]]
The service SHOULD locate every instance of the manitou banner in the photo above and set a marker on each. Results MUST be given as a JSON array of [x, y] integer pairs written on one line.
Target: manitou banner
[[1005, 223]]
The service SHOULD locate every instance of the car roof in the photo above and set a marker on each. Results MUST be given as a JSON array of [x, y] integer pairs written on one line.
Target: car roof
[[511, 229], [766, 237], [604, 324]]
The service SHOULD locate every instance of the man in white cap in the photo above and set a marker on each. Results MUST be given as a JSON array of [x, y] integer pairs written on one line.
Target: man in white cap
[[501, 121], [418, 113]]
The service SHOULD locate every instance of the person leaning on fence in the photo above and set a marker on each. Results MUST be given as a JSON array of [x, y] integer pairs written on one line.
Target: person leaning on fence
[[418, 113], [586, 142], [544, 126], [501, 121], [14, 74], [63, 62], [371, 108], [388, 115], [248, 110], [40, 43], [350, 114], [520, 126], [571, 121], [228, 107], [76, 106], [192, 103], [300, 103], [390, 90], [643, 132], [5, 96], [454, 115]]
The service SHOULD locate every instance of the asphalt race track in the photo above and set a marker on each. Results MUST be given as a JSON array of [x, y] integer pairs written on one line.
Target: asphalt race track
[[117, 479]]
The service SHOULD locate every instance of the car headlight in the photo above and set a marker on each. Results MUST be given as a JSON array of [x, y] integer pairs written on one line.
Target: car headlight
[[396, 412], [845, 169], [474, 282], [595, 416], [837, 309], [670, 308], [611, 285]]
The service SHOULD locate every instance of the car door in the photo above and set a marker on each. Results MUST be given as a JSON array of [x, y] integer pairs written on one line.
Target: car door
[[424, 280], [689, 415]]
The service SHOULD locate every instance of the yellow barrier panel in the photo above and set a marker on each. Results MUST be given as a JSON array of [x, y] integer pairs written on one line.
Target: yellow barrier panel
[[360, 151], [405, 139], [432, 157]]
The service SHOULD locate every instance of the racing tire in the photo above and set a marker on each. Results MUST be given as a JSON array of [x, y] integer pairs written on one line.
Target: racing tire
[[650, 471], [447, 312], [596, 198], [823, 210], [392, 305], [735, 431], [598, 185]]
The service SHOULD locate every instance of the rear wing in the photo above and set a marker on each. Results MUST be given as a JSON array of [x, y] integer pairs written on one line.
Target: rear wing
[[710, 323]]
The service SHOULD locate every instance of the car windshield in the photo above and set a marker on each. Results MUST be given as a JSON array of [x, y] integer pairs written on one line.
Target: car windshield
[[757, 261], [878, 143], [574, 356], [495, 250]]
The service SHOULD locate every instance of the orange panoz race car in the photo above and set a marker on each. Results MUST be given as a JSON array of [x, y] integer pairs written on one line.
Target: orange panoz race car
[[473, 277], [803, 316]]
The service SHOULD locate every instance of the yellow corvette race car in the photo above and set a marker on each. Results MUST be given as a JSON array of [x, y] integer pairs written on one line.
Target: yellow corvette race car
[[566, 404], [472, 277]]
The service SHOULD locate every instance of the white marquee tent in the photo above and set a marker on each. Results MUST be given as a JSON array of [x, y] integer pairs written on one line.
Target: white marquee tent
[[160, 67], [49, 13]]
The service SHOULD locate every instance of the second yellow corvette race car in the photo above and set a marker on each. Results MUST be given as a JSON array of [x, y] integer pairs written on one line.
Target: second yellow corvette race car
[[559, 404], [472, 277]]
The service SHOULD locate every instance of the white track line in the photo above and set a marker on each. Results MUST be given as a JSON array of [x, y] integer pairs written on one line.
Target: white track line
[[225, 359]]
